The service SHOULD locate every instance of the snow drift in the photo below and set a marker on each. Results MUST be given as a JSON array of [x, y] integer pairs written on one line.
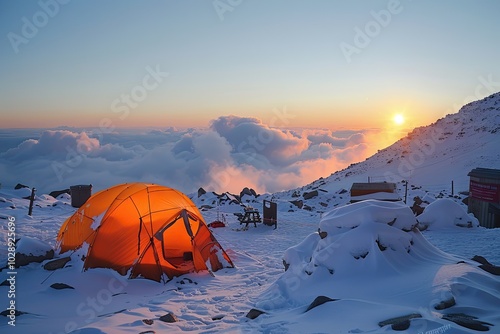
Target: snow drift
[[445, 213], [369, 266]]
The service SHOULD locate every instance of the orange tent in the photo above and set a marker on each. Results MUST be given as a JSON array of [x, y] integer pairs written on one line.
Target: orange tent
[[148, 230]]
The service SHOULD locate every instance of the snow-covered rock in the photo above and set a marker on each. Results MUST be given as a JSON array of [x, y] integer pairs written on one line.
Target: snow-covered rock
[[30, 250], [446, 213]]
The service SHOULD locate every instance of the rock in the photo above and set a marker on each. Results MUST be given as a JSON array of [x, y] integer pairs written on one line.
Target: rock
[[20, 186], [248, 192], [169, 317], [467, 321], [486, 265], [416, 207], [254, 313], [307, 207], [24, 260], [57, 193], [481, 259], [380, 246], [298, 203], [6, 203], [401, 326], [320, 300], [201, 192], [445, 304], [245, 191], [6, 313], [309, 195], [285, 264], [30, 250], [57, 263], [217, 317], [296, 193], [61, 286], [148, 321], [148, 332], [400, 322], [491, 269]]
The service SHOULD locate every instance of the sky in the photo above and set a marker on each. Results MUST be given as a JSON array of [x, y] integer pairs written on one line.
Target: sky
[[228, 93], [332, 64]]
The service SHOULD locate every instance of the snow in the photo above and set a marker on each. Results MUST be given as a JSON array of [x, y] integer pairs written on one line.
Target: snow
[[445, 213], [375, 266], [372, 289], [366, 256], [382, 196]]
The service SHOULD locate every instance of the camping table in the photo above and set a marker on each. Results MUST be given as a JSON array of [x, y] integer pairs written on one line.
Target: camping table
[[250, 216]]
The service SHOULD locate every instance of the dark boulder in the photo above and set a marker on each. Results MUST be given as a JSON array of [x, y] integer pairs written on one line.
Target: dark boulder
[[254, 313], [309, 195], [467, 321], [29, 250], [169, 317], [201, 192], [248, 192], [57, 263], [57, 193], [320, 300], [486, 265], [400, 322], [445, 304], [61, 286]]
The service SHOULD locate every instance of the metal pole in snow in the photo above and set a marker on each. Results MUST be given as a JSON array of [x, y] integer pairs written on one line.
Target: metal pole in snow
[[406, 190], [32, 199]]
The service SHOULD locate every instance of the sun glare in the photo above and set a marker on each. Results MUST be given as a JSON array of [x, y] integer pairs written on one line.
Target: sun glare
[[398, 119]]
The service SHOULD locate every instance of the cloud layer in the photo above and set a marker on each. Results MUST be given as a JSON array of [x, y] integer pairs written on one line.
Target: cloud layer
[[234, 152]]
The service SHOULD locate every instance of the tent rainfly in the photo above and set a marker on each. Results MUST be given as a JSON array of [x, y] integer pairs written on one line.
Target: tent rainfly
[[144, 230]]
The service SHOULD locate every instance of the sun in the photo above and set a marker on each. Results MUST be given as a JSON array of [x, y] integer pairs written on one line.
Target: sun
[[398, 119]]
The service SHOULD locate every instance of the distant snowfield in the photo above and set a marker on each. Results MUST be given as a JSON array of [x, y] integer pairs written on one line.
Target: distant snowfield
[[381, 286]]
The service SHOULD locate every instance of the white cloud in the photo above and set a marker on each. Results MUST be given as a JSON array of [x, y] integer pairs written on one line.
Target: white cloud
[[233, 153]]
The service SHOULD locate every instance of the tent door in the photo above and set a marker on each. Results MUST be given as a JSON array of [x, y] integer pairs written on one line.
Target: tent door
[[181, 259]]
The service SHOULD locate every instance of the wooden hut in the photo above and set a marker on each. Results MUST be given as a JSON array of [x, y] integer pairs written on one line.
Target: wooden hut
[[484, 196], [384, 191]]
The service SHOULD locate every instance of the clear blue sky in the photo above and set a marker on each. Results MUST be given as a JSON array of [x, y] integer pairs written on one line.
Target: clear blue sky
[[244, 58]]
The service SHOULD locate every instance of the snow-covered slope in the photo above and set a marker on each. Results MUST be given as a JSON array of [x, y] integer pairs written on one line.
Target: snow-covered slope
[[429, 158]]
